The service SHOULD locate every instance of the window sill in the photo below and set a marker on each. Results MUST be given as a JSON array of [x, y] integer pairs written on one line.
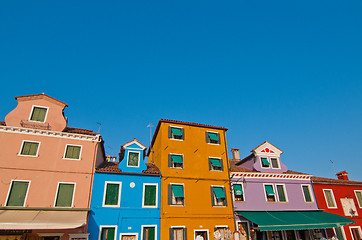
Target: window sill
[[176, 139], [72, 159], [34, 156], [174, 205]]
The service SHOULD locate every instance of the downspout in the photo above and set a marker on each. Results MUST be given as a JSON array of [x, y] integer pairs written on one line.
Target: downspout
[[231, 191]]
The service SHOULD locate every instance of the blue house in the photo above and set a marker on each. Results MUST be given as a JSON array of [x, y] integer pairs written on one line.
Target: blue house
[[125, 198]]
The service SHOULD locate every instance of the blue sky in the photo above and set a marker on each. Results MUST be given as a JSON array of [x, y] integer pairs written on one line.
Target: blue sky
[[289, 72]]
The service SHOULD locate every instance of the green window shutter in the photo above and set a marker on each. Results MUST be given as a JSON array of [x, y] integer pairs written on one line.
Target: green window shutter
[[112, 194], [269, 190], [219, 193], [281, 193], [329, 197], [107, 233], [178, 191], [339, 233], [213, 136], [215, 162], [238, 190], [133, 159], [38, 114], [176, 158], [176, 131], [275, 163], [29, 148], [359, 198], [17, 193], [265, 162], [73, 152], [306, 192], [65, 195], [149, 233], [150, 195]]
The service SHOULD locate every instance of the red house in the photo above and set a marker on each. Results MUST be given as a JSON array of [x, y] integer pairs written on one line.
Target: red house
[[343, 197]]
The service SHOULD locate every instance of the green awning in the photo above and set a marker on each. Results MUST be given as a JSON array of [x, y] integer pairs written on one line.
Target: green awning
[[176, 131], [265, 161], [238, 190], [269, 190], [213, 136], [293, 220], [176, 158], [215, 162], [178, 190], [219, 192]]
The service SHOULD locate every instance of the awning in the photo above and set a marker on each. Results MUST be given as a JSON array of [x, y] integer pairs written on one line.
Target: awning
[[178, 190], [177, 158], [176, 131], [215, 162], [290, 220], [41, 219], [238, 190], [219, 193], [213, 136]]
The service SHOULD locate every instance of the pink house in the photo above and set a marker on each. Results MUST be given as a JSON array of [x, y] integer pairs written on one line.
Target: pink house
[[46, 171]]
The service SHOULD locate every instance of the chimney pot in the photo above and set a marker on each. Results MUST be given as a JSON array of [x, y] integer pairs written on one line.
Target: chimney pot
[[342, 175], [235, 152]]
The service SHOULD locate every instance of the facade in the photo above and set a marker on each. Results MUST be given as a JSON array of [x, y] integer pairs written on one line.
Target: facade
[[125, 201], [46, 171], [195, 199], [343, 197], [272, 202]]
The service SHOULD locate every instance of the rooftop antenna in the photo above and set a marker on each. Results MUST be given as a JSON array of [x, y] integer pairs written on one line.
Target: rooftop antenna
[[110, 149], [334, 169], [99, 129], [150, 126]]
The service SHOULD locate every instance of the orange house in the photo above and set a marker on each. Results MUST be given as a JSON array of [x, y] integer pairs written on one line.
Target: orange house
[[195, 189]]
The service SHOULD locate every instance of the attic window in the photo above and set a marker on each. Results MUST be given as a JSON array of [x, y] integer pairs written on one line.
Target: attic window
[[38, 114], [133, 159], [265, 163], [274, 163]]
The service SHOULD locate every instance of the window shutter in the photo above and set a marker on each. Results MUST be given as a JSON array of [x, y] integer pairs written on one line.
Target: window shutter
[[225, 199], [218, 136], [65, 195], [33, 148], [112, 193], [150, 195], [169, 132], [169, 194], [17, 194], [207, 137], [183, 133], [212, 196], [110, 233], [171, 234], [222, 164], [281, 193], [306, 192], [151, 233], [210, 165], [185, 233], [169, 161]]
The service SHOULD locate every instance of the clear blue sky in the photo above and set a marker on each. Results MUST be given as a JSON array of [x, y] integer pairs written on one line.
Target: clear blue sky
[[289, 72]]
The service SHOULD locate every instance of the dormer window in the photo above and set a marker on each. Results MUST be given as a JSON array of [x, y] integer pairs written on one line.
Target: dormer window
[[213, 137], [274, 162], [264, 162], [176, 133], [133, 159], [38, 114]]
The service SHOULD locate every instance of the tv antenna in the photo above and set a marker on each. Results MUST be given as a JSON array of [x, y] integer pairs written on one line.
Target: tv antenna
[[150, 126], [334, 169], [99, 129]]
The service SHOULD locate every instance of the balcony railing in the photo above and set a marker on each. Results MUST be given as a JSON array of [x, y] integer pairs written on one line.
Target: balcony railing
[[36, 125]]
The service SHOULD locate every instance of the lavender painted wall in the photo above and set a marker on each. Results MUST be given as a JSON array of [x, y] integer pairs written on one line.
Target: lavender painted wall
[[257, 165]]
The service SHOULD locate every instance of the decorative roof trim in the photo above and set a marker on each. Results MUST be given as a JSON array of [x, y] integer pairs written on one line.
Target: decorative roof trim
[[39, 96], [136, 142], [270, 175], [263, 144], [40, 132]]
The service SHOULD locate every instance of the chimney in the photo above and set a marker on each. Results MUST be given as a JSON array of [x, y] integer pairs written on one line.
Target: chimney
[[342, 175], [235, 152]]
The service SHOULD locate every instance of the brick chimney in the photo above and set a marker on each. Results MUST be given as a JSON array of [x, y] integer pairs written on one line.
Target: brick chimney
[[235, 152], [342, 175]]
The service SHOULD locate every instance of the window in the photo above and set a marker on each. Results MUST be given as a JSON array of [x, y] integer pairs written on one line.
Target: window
[[238, 192], [340, 233], [150, 195], [213, 137], [133, 159], [223, 231], [65, 195], [356, 233], [201, 234], [328, 195], [72, 152], [264, 162], [282, 196], [359, 197], [178, 233], [215, 164], [17, 193], [175, 161], [107, 233], [176, 133], [176, 194], [148, 232], [274, 162], [269, 193], [307, 193], [218, 196], [112, 194], [38, 114], [29, 148]]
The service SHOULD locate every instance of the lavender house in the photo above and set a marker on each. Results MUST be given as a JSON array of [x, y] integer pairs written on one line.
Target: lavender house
[[272, 202]]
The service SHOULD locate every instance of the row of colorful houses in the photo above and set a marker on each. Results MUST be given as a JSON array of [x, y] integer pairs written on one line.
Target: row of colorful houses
[[56, 182]]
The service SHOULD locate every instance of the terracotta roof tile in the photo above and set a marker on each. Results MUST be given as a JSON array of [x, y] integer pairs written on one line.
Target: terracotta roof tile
[[79, 130], [112, 167], [323, 180], [2, 123], [41, 95]]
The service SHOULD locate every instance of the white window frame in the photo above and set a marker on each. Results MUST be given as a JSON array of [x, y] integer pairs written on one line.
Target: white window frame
[[271, 164], [265, 195], [128, 234], [11, 184], [178, 154], [221, 162], [78, 235], [172, 134], [73, 145], [202, 230], [178, 227], [242, 187], [139, 158], [355, 193], [310, 192], [359, 230], [145, 226], [214, 195], [183, 188], [31, 113], [261, 162], [333, 198], [56, 194], [343, 232], [143, 195], [218, 134], [108, 226], [30, 141], [285, 192], [105, 192]]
